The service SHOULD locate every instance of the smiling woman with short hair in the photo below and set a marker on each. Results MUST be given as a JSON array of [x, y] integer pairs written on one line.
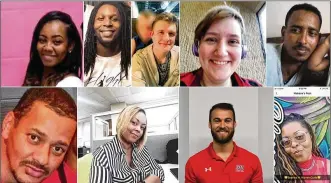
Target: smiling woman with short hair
[[219, 44]]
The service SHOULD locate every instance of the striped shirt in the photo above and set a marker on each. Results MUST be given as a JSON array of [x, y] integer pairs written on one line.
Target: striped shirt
[[110, 166]]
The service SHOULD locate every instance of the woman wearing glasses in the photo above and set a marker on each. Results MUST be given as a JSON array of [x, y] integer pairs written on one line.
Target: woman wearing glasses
[[296, 152]]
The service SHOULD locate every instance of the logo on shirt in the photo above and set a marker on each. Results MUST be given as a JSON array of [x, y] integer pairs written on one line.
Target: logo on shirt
[[207, 169], [239, 168]]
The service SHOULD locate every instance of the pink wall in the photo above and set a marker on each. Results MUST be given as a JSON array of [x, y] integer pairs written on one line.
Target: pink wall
[[18, 20]]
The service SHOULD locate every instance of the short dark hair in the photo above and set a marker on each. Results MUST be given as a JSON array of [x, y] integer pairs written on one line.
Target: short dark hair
[[224, 106], [56, 99], [306, 7]]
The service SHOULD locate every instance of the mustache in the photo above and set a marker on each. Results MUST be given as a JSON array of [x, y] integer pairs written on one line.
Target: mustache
[[35, 164], [301, 46], [220, 129]]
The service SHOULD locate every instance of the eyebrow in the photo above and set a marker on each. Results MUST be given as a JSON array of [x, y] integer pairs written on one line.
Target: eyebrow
[[39, 132], [216, 34], [298, 26], [113, 14], [60, 142], [55, 36], [139, 121], [42, 134], [295, 133], [220, 118]]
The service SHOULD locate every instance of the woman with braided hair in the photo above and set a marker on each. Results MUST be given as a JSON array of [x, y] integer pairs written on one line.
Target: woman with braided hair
[[296, 153]]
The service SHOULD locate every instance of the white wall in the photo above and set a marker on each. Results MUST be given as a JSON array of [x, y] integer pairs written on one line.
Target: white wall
[[277, 10], [83, 134], [113, 107]]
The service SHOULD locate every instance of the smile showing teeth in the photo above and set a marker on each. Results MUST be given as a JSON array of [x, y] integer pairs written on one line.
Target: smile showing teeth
[[220, 62]]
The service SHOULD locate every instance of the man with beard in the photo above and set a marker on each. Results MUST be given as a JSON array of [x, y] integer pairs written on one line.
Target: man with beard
[[223, 160], [299, 60], [107, 56], [37, 135]]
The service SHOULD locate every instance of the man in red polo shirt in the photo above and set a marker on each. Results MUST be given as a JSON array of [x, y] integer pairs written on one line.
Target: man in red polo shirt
[[223, 161]]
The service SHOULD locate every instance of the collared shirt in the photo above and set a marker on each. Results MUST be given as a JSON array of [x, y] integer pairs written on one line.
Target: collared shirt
[[193, 79], [145, 72], [110, 166], [240, 167]]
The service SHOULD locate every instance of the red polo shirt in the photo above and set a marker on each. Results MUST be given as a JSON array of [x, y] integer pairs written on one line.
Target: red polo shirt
[[240, 167]]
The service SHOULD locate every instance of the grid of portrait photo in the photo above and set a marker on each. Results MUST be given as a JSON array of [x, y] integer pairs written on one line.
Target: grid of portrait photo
[[165, 91]]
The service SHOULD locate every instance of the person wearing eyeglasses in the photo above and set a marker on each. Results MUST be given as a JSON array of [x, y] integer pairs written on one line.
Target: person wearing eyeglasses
[[297, 154]]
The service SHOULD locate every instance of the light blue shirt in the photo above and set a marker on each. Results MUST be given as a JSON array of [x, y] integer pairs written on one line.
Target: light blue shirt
[[274, 75]]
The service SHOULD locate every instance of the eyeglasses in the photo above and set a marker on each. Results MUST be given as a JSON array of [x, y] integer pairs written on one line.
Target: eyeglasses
[[299, 137]]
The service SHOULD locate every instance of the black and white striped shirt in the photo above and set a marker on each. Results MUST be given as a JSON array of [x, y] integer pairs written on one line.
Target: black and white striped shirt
[[110, 166]]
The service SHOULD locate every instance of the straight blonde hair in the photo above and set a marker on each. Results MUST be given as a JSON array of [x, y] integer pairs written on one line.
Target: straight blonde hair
[[124, 120]]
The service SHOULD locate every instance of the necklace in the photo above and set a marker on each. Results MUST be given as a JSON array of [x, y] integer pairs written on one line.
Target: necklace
[[311, 166]]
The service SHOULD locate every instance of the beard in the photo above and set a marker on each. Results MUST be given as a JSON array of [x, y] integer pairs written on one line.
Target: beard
[[222, 140]]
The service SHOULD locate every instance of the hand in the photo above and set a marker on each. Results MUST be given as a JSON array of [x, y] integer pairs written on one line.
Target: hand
[[317, 61]]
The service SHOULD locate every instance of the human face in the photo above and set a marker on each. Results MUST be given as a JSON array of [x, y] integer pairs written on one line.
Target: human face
[[144, 27], [301, 35], [164, 36], [222, 125], [299, 150], [107, 24], [53, 45], [136, 128], [37, 145], [220, 50]]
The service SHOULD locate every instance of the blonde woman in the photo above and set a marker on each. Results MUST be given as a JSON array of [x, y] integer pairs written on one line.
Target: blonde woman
[[125, 158]]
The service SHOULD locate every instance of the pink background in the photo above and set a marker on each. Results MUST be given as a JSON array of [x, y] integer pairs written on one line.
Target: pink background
[[18, 20]]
